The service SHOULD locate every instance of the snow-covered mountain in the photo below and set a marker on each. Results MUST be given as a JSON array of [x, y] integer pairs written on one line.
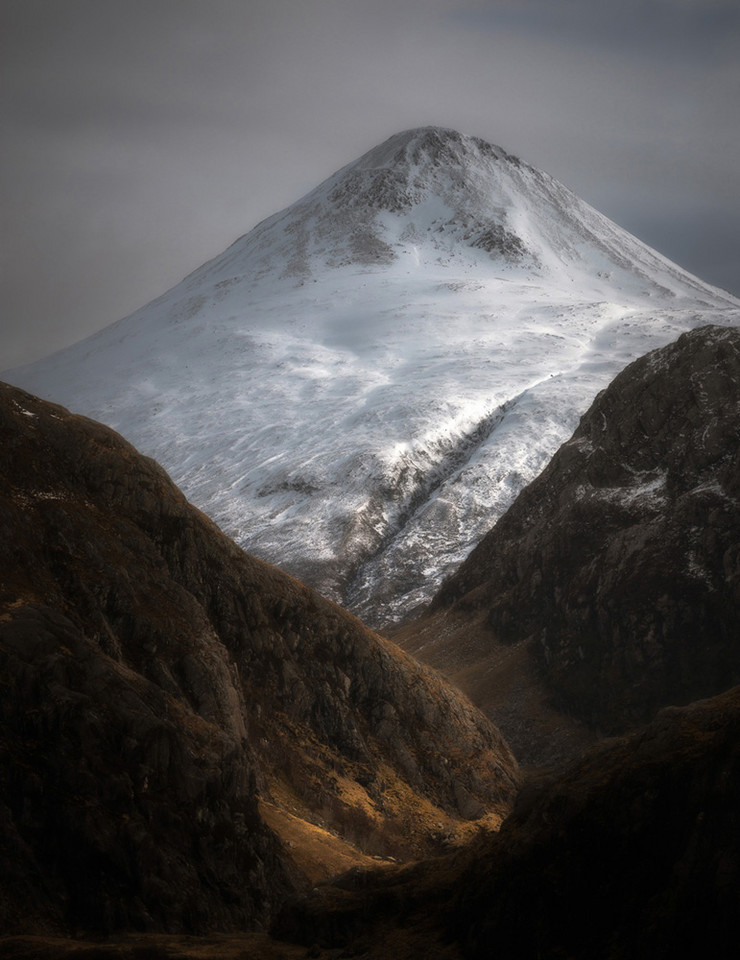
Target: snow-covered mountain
[[357, 388]]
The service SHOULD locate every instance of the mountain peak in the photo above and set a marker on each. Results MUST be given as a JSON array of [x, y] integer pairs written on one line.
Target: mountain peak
[[359, 386], [434, 200], [430, 145], [416, 166]]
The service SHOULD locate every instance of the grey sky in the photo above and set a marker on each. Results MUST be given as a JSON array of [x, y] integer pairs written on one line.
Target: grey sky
[[141, 137]]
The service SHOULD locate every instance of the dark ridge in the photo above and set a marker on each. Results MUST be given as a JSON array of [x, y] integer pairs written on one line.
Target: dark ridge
[[159, 686], [632, 854], [620, 565]]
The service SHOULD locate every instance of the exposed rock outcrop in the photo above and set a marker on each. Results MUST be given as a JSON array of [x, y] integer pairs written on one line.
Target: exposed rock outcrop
[[157, 681], [632, 854], [120, 806], [619, 567]]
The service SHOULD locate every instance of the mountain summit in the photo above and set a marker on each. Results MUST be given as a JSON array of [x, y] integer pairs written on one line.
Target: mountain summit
[[433, 197], [356, 389]]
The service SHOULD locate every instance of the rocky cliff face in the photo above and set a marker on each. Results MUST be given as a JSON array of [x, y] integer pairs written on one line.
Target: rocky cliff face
[[121, 806], [158, 684], [632, 854], [619, 567]]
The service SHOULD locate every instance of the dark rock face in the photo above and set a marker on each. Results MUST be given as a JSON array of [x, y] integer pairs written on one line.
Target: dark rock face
[[632, 854], [121, 807], [620, 564], [157, 680]]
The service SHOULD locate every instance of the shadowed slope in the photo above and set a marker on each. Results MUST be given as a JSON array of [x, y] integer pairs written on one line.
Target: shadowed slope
[[614, 578], [157, 681], [632, 854]]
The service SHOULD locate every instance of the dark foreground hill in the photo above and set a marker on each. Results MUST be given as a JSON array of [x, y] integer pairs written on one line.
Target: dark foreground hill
[[632, 854], [611, 587], [154, 712], [163, 695]]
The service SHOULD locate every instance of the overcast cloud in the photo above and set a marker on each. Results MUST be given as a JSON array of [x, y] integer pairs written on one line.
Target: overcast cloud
[[141, 138]]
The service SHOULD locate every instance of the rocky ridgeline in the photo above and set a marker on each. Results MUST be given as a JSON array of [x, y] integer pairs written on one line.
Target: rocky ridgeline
[[157, 682], [619, 567]]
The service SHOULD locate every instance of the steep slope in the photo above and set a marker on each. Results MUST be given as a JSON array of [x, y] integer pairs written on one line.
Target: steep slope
[[615, 576], [632, 854], [163, 691], [641, 836], [358, 385]]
